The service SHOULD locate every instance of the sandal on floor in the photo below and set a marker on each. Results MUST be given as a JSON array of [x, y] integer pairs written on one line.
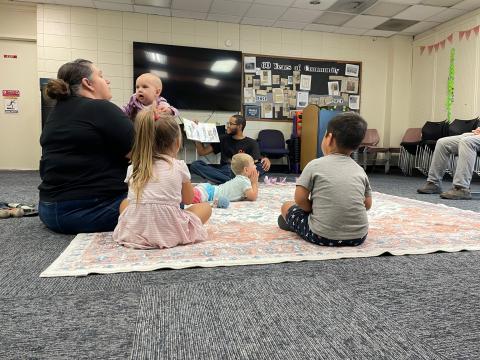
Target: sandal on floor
[[11, 212], [28, 210]]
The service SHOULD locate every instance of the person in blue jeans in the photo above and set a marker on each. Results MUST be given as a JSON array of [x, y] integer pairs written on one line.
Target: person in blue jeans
[[233, 142], [85, 145]]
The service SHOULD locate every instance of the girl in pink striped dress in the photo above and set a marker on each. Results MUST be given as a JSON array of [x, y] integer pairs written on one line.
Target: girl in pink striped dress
[[151, 216]]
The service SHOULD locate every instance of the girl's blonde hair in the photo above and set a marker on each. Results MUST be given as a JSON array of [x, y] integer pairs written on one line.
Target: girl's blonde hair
[[155, 137]]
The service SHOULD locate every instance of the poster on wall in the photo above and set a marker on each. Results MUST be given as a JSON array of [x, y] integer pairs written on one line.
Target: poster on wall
[[249, 64]]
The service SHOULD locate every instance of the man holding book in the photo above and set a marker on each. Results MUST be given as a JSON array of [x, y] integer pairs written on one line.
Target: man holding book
[[233, 142]]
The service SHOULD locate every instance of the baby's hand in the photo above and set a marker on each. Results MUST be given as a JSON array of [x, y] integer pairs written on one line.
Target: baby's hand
[[164, 108], [253, 176], [476, 131]]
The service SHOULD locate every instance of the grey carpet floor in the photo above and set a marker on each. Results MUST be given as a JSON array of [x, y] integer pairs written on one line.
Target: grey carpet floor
[[388, 307]]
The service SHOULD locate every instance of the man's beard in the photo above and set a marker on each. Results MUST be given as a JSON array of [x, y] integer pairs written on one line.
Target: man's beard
[[233, 132]]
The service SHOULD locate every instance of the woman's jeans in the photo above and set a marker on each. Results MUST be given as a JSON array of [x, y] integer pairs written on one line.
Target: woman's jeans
[[81, 216]]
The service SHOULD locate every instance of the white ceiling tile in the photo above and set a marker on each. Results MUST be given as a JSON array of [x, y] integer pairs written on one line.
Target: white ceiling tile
[[197, 5], [331, 18], [446, 15], [385, 9], [275, 2], [365, 21], [419, 12], [301, 15], [467, 5], [257, 21], [224, 18], [350, 31], [290, 24], [112, 6], [305, 4], [420, 27], [321, 27], [151, 10], [121, 1], [189, 14], [229, 7], [81, 3], [407, 2], [265, 11], [382, 33], [440, 2]]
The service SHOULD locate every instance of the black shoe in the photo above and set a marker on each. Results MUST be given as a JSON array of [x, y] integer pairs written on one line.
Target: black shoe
[[282, 224]]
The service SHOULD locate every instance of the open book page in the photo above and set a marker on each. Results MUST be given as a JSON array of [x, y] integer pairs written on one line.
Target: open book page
[[203, 132]]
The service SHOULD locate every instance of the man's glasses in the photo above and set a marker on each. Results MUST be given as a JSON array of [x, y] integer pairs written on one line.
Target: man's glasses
[[231, 124]]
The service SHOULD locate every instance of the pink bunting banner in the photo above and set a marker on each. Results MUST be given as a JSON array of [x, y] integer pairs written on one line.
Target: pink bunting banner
[[441, 44]]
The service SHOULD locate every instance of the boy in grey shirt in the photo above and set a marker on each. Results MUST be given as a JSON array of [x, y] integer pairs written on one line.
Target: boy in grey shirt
[[333, 193]]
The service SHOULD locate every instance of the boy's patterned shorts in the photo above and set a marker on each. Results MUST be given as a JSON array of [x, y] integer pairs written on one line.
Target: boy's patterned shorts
[[297, 220]]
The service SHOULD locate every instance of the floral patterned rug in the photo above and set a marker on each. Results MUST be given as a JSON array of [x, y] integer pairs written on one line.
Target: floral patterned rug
[[246, 233]]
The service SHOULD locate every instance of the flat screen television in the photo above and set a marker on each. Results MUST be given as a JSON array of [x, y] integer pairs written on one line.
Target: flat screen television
[[193, 78]]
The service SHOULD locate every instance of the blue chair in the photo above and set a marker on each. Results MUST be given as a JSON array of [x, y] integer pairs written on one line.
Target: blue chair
[[272, 145]]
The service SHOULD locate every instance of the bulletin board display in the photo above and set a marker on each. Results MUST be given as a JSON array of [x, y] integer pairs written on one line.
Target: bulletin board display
[[275, 87]]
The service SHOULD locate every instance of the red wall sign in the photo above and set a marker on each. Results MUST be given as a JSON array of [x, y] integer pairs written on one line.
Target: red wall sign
[[7, 56], [11, 93]]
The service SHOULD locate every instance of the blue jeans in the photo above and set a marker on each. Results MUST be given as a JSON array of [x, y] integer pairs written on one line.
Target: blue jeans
[[216, 175], [81, 216]]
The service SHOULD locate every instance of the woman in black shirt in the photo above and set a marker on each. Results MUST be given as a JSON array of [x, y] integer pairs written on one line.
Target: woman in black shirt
[[85, 143]]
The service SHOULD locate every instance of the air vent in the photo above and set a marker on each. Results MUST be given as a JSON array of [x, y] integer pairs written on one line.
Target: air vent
[[396, 25], [351, 6]]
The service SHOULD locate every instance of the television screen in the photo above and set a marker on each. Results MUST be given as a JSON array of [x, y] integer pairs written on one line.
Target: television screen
[[193, 78]]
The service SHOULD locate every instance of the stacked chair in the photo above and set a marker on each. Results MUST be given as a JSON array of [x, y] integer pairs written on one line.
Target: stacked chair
[[431, 132], [367, 153], [408, 150]]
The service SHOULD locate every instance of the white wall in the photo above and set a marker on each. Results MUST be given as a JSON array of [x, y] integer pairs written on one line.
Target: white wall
[[19, 132], [65, 33], [106, 37], [430, 73]]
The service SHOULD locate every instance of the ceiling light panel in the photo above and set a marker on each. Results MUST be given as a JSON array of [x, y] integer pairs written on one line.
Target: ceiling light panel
[[396, 25], [159, 3], [352, 6]]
